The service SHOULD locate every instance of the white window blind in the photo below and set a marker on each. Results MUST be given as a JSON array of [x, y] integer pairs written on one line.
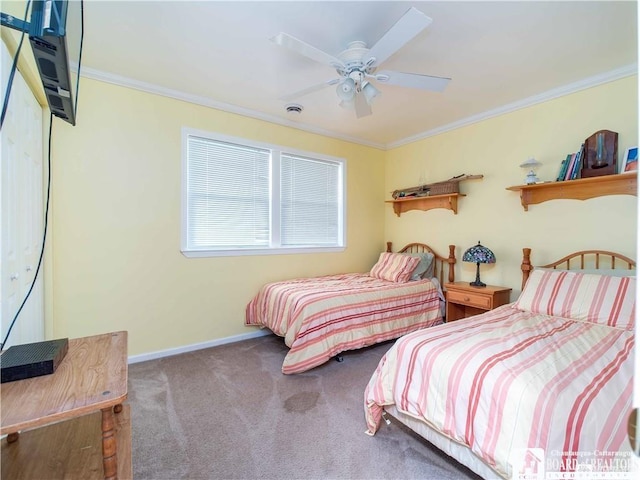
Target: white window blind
[[228, 195], [241, 197], [310, 201]]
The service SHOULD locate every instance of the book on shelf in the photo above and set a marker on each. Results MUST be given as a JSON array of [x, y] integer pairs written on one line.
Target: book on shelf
[[575, 172], [563, 168], [572, 161]]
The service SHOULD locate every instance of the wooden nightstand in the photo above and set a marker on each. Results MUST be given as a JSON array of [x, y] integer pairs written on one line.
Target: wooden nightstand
[[463, 300]]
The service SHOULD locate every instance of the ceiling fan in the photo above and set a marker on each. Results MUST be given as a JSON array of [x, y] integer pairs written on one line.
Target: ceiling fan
[[357, 65]]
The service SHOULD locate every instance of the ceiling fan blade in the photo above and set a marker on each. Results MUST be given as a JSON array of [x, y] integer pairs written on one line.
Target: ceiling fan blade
[[409, 25], [413, 80], [309, 51], [362, 107], [310, 89]]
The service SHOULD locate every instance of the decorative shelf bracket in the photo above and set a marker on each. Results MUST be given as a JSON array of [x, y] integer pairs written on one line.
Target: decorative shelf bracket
[[405, 204], [580, 189]]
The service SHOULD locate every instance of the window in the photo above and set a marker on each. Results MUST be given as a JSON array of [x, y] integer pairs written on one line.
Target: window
[[246, 198]]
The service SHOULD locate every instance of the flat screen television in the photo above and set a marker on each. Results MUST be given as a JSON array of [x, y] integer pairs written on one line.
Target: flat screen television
[[55, 33]]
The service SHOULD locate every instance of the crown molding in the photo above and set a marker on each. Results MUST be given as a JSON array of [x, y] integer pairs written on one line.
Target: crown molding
[[208, 102], [584, 84]]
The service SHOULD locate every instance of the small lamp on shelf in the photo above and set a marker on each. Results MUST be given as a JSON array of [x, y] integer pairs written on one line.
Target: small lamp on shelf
[[531, 165], [478, 254]]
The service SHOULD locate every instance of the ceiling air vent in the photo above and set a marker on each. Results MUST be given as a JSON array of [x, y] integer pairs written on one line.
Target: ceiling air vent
[[294, 108]]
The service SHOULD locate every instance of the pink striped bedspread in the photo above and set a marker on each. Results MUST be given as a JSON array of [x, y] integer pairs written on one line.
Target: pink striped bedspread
[[323, 316], [509, 381]]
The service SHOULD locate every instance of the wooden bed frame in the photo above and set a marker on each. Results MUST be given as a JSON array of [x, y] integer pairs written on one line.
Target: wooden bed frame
[[439, 270], [592, 259]]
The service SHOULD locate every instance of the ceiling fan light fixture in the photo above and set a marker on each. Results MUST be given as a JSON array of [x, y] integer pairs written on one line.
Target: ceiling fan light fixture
[[346, 90], [370, 92]]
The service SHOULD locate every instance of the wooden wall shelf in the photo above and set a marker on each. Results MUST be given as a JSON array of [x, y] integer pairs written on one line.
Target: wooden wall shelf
[[580, 189], [448, 201]]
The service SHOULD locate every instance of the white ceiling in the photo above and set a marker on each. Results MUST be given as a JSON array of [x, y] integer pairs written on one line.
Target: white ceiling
[[500, 55]]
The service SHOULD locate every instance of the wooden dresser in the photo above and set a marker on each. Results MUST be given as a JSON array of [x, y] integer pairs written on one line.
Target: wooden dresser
[[71, 424]]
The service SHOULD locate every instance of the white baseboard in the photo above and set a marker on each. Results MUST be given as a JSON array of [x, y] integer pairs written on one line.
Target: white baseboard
[[143, 357]]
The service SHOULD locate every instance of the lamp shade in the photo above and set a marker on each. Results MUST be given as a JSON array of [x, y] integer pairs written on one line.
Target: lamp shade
[[530, 163], [370, 92], [478, 254], [346, 90]]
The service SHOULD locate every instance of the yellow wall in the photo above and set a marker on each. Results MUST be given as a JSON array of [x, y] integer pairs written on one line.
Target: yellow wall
[[113, 260], [26, 61], [116, 260], [489, 213]]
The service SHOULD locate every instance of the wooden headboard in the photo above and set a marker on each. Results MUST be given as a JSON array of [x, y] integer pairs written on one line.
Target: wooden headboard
[[441, 261], [592, 259]]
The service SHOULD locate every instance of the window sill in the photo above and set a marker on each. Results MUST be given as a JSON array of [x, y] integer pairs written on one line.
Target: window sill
[[259, 251]]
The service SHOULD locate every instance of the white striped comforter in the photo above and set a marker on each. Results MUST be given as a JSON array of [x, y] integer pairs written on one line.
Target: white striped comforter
[[323, 316], [509, 380]]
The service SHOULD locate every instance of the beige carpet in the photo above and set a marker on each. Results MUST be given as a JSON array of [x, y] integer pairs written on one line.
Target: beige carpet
[[229, 413]]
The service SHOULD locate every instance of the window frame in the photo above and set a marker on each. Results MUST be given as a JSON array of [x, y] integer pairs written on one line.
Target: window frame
[[274, 217]]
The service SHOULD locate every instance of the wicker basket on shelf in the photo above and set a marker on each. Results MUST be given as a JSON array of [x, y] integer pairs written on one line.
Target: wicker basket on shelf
[[442, 188], [438, 188]]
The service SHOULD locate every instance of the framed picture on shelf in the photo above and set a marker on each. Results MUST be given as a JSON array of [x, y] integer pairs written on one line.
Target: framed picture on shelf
[[630, 160]]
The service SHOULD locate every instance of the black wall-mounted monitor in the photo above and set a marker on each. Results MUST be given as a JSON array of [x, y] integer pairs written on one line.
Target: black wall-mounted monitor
[[55, 34]]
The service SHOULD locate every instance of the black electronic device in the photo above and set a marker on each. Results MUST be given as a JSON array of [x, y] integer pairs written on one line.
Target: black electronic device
[[55, 33], [32, 359]]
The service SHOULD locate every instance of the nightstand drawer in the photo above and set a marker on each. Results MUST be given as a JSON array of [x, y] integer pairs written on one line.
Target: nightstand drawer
[[469, 298]]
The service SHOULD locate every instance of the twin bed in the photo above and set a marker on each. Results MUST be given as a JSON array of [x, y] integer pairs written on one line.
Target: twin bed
[[542, 384], [323, 316]]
